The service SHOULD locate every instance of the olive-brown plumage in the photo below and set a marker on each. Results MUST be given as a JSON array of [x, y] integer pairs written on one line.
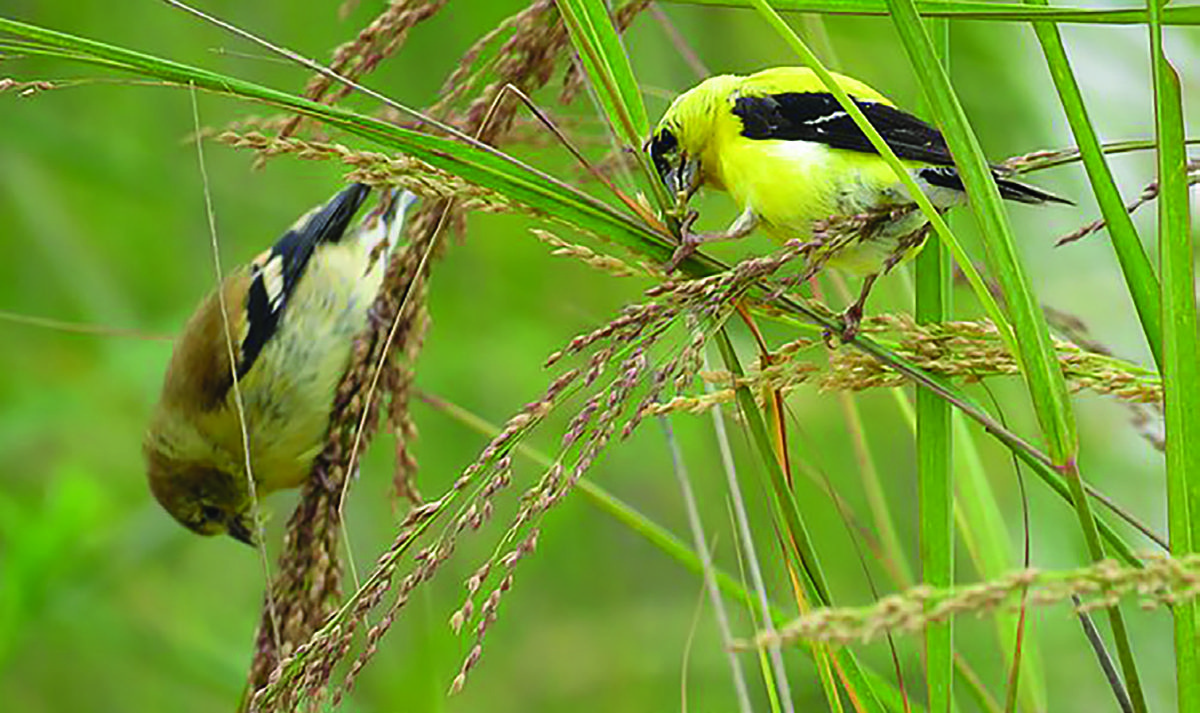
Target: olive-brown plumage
[[293, 313]]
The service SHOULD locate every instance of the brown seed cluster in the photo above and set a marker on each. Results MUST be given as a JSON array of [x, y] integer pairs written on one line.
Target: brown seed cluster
[[377, 169], [604, 263], [376, 42], [1162, 581], [302, 675], [380, 377], [26, 88], [973, 351]]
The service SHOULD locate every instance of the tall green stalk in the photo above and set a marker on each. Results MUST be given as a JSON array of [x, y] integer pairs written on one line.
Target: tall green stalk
[[1181, 354], [1140, 279], [935, 451]]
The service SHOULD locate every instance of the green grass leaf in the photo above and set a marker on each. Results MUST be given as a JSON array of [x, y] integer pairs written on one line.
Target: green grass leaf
[[1140, 279], [967, 10], [1181, 351]]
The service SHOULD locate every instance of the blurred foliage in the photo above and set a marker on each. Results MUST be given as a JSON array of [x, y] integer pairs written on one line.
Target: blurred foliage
[[107, 605]]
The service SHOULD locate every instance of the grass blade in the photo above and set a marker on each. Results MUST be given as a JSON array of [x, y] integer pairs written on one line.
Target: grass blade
[[475, 162], [607, 64], [1044, 379], [1040, 369], [1181, 354], [1140, 279], [971, 10], [935, 453]]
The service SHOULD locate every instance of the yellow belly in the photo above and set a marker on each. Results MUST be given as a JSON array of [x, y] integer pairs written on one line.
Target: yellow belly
[[790, 185]]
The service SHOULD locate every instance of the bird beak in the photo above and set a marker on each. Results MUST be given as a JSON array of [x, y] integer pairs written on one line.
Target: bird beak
[[684, 178], [241, 528]]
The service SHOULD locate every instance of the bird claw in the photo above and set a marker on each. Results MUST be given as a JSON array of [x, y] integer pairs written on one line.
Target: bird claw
[[688, 242], [683, 252], [851, 320]]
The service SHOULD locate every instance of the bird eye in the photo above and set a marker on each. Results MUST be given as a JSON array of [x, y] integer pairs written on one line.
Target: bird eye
[[210, 513], [663, 143], [662, 146]]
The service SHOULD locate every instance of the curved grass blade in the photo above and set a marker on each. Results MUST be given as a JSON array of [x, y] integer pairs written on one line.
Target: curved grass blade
[[477, 162], [606, 64], [493, 169]]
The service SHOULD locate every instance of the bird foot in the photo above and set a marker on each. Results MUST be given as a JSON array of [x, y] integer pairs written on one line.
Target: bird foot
[[851, 320], [688, 242]]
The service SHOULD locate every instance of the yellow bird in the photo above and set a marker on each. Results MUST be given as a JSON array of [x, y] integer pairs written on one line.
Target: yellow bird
[[293, 314], [780, 144]]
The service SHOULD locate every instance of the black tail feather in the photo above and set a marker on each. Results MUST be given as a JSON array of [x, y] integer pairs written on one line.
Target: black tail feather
[[1025, 193], [947, 177]]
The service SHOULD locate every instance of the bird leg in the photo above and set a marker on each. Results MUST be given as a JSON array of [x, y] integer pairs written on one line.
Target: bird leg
[[689, 241], [852, 317]]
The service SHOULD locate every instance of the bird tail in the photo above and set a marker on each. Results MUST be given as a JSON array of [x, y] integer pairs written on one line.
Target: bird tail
[[1025, 193], [947, 177]]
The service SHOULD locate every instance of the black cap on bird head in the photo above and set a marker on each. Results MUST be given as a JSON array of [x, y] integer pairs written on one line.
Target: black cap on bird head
[[677, 172]]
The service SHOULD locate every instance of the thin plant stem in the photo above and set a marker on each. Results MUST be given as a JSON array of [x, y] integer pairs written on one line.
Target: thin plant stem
[[701, 546], [746, 543]]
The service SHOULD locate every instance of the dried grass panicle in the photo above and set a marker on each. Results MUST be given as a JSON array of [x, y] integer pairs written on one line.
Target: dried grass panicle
[[377, 41], [538, 25], [1149, 193], [1026, 161], [973, 350], [423, 571], [604, 263], [621, 349], [489, 610], [246, 125], [526, 59], [378, 169], [311, 545], [320, 638], [306, 672], [535, 40], [1161, 581], [26, 88], [705, 299], [783, 372], [588, 434], [831, 235], [308, 579]]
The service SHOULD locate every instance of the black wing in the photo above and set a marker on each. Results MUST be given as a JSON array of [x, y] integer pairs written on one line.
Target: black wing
[[275, 274], [817, 116]]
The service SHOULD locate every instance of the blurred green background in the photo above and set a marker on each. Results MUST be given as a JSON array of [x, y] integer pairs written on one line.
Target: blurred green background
[[107, 605]]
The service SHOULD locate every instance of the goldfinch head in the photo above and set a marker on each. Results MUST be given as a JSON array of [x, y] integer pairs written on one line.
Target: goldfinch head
[[205, 499], [686, 130]]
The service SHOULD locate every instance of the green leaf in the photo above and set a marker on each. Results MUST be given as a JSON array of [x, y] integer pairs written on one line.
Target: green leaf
[[607, 65], [935, 453], [1140, 279], [473, 161], [968, 10], [1181, 352]]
